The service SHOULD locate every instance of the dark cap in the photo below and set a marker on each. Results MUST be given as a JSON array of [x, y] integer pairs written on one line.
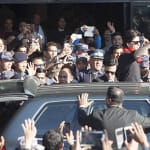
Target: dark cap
[[20, 56], [81, 58], [98, 53], [6, 55]]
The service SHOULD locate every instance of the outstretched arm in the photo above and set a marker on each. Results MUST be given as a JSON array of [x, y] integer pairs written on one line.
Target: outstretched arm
[[142, 51]]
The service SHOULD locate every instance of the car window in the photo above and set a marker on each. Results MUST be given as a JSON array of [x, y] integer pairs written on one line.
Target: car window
[[52, 114], [141, 106]]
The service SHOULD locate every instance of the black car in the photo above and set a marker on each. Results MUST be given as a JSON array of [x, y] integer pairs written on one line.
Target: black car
[[49, 105]]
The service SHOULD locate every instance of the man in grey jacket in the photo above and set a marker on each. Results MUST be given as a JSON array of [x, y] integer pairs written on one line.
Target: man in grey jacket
[[115, 116]]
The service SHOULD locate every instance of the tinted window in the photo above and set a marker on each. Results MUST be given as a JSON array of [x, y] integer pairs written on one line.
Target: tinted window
[[141, 106], [52, 114]]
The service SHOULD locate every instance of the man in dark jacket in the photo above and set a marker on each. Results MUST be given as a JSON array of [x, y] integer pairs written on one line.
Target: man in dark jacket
[[115, 116]]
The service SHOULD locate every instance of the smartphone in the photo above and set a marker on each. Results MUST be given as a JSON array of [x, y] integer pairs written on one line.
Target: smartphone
[[127, 134], [79, 36], [66, 128], [119, 137], [91, 138]]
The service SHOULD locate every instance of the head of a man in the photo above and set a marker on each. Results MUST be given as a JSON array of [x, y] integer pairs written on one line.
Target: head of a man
[[6, 61], [110, 70], [132, 39], [96, 60], [114, 96], [117, 38], [65, 75], [51, 50], [117, 50], [53, 140], [20, 60]]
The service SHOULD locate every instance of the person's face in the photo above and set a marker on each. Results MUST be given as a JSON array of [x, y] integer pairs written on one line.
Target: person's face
[[89, 40], [96, 64], [22, 49], [65, 76], [117, 52], [2, 46], [51, 52], [21, 66], [117, 40], [8, 24], [107, 35], [110, 72], [67, 49], [39, 63], [61, 23], [36, 19], [23, 27], [6, 65], [135, 43], [42, 77], [82, 65]]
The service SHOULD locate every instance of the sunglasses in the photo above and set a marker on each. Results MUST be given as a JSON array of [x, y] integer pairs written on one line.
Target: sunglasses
[[136, 42], [107, 72]]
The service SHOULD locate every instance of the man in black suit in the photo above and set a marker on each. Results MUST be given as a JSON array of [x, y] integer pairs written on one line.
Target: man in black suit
[[115, 116]]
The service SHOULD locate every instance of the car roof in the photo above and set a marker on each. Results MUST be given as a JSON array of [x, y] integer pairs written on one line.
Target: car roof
[[31, 87]]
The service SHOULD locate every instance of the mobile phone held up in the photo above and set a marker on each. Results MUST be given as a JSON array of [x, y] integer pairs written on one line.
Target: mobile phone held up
[[127, 134], [91, 138], [66, 128], [123, 134]]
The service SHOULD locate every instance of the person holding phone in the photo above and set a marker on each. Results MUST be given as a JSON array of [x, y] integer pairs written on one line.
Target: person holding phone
[[111, 118]]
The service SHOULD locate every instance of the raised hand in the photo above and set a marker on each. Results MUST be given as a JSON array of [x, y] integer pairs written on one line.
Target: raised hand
[[111, 26], [83, 100], [30, 131], [2, 142]]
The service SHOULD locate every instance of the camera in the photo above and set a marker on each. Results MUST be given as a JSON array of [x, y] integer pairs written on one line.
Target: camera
[[91, 138], [66, 128]]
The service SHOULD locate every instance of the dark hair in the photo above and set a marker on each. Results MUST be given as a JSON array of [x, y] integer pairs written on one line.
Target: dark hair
[[52, 140], [111, 62], [37, 54], [71, 67], [130, 35], [51, 43], [115, 94], [115, 34]]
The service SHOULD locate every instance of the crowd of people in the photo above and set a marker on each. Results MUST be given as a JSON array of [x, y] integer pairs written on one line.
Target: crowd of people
[[82, 56]]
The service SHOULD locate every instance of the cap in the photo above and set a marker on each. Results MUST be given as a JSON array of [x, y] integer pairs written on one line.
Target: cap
[[144, 61], [98, 53], [81, 58], [83, 47], [20, 56], [6, 55], [144, 64]]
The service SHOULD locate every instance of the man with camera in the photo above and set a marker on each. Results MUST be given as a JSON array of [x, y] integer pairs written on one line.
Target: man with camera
[[111, 118]]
